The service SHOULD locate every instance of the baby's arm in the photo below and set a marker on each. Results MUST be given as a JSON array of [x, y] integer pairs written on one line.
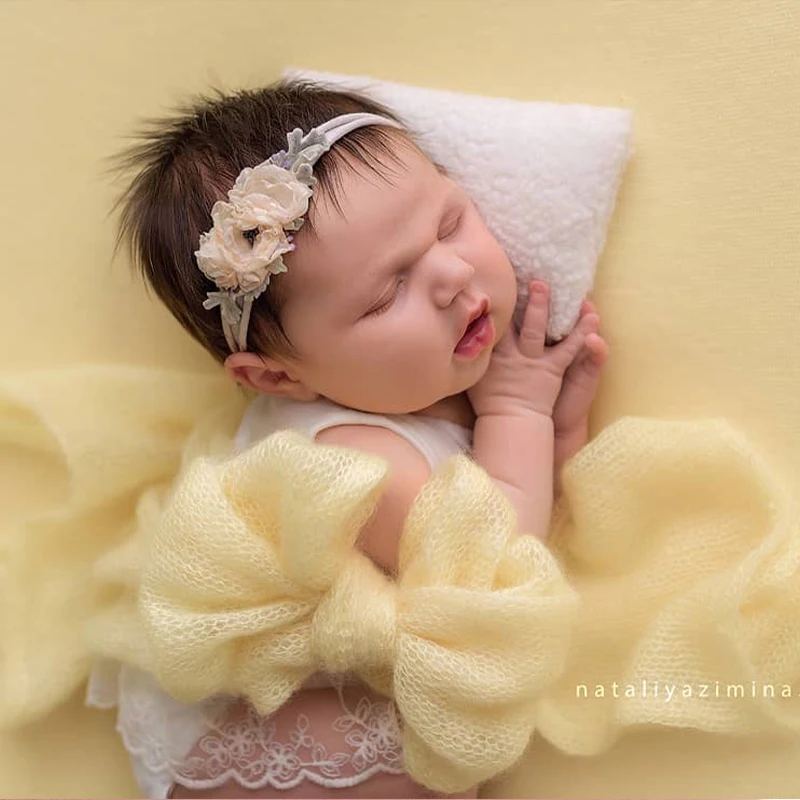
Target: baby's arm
[[516, 449], [514, 401], [380, 537]]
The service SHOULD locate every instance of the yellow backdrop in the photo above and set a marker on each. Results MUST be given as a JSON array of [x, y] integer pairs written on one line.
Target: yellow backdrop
[[699, 285]]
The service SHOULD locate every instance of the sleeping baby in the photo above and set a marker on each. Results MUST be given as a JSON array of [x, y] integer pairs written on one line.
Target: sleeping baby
[[308, 243]]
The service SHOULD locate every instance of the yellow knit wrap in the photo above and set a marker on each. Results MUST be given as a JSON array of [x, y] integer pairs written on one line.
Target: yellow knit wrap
[[684, 546], [679, 541], [251, 583]]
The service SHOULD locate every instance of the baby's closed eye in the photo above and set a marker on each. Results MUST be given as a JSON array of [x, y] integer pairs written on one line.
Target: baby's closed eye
[[450, 226]]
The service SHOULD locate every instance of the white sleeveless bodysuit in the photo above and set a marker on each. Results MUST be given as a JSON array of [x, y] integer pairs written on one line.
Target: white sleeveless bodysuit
[[159, 732]]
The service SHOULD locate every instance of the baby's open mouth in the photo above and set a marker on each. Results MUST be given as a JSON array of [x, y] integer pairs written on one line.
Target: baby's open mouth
[[474, 322], [479, 333], [471, 327]]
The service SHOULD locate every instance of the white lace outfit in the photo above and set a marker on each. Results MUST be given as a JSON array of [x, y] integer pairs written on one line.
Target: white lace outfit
[[171, 742]]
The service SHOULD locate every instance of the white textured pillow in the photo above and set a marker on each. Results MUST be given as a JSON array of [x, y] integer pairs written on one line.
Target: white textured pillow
[[543, 175]]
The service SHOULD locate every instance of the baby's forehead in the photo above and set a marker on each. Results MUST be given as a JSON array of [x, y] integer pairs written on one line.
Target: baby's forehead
[[362, 200], [406, 165], [369, 216], [395, 185]]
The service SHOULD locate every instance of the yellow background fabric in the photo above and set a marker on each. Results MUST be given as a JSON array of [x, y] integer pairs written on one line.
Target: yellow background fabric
[[699, 285]]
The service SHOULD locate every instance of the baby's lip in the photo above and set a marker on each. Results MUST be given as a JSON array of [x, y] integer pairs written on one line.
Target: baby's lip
[[476, 312]]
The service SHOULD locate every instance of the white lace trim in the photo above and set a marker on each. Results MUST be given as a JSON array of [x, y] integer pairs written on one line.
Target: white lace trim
[[247, 751], [159, 732]]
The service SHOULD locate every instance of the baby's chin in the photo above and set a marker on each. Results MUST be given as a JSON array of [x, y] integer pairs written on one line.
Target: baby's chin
[[397, 406], [449, 395]]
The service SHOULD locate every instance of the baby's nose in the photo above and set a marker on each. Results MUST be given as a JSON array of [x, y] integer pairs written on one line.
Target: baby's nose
[[452, 275]]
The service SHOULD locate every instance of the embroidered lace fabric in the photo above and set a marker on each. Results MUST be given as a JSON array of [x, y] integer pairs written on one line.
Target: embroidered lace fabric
[[203, 746], [249, 751]]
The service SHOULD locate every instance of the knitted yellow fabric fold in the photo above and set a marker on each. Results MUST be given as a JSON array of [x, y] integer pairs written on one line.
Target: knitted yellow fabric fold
[[251, 582], [681, 543], [86, 442], [685, 549]]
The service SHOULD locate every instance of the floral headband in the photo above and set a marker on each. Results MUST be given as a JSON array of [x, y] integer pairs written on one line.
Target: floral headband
[[254, 228]]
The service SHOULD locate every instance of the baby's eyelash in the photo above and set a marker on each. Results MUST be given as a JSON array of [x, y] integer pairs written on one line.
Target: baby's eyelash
[[385, 306], [454, 226]]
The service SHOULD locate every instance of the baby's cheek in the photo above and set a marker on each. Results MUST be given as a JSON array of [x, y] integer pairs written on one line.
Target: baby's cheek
[[488, 252], [502, 285]]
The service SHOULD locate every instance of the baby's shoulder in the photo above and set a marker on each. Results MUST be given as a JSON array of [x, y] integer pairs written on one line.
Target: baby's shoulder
[[403, 456]]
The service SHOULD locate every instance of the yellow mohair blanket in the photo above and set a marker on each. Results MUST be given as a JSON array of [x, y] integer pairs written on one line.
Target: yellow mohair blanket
[[673, 564], [250, 583]]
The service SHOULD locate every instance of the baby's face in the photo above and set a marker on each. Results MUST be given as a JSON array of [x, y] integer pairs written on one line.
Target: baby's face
[[379, 298]]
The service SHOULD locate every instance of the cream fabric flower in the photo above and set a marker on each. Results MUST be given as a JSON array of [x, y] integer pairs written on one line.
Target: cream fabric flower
[[228, 257], [268, 195]]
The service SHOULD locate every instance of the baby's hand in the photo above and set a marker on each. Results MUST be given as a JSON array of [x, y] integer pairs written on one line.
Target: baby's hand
[[525, 375], [578, 390]]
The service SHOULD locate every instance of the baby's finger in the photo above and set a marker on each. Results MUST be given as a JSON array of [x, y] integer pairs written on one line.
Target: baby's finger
[[583, 371], [568, 349], [597, 349], [588, 307], [534, 324]]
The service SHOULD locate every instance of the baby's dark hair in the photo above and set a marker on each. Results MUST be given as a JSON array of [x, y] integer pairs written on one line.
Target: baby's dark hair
[[186, 162]]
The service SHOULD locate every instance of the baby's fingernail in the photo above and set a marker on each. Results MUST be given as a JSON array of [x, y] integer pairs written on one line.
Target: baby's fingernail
[[538, 287]]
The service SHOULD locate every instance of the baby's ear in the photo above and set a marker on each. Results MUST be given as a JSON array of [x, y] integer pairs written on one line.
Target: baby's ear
[[266, 376]]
